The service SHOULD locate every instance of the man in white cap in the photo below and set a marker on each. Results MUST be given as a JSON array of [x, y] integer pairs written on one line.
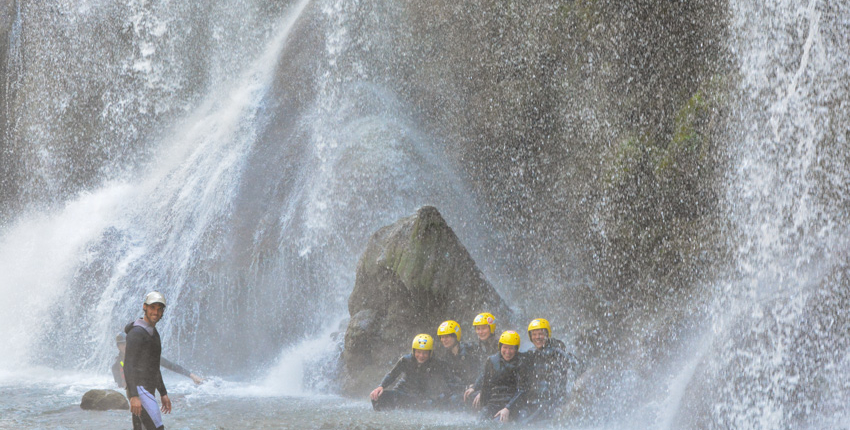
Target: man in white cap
[[141, 366]]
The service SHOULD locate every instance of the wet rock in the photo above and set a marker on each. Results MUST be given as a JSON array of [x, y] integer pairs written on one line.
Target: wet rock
[[104, 400], [413, 275]]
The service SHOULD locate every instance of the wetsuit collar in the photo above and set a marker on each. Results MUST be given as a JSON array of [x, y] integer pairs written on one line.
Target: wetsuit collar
[[144, 324]]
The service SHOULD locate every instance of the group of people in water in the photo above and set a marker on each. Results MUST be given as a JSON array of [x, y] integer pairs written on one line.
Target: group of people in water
[[491, 376]]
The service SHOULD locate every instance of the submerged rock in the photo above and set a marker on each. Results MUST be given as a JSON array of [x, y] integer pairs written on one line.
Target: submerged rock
[[413, 275], [104, 400]]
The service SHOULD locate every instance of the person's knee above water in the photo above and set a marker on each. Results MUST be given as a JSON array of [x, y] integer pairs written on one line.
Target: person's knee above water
[[118, 364], [141, 366], [501, 385], [458, 356], [412, 377]]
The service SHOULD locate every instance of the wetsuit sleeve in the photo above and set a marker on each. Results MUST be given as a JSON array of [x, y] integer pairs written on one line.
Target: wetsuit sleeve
[[174, 367], [131, 358], [393, 374], [118, 373], [161, 386]]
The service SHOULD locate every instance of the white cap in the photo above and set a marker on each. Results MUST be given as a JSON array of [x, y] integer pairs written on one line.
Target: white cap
[[154, 297]]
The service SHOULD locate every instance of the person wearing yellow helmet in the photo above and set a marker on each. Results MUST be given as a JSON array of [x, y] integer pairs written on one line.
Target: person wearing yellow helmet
[[459, 357], [485, 328], [488, 344], [502, 383], [415, 377], [550, 369], [540, 334]]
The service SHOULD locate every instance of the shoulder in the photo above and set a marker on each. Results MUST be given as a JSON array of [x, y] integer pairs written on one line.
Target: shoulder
[[467, 348], [137, 333]]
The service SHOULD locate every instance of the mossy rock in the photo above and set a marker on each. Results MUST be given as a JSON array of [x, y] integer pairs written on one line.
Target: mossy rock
[[413, 275], [104, 400]]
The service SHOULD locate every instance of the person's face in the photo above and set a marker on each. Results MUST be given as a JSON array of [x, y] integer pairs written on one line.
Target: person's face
[[421, 355], [122, 347], [539, 337], [483, 331], [153, 312], [508, 351], [448, 340]]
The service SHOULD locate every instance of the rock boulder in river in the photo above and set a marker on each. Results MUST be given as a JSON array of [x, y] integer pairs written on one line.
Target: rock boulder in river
[[104, 400], [413, 275]]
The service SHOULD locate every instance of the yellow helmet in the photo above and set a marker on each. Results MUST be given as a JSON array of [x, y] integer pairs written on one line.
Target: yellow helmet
[[424, 342], [510, 337], [485, 318], [539, 323], [449, 327]]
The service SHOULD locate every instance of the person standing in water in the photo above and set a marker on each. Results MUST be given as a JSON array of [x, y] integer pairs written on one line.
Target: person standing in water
[[118, 365], [141, 366]]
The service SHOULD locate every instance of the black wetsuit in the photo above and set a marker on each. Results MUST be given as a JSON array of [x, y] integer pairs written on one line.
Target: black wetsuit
[[483, 350], [464, 365], [502, 385], [416, 385], [488, 347], [141, 369], [551, 370], [118, 369]]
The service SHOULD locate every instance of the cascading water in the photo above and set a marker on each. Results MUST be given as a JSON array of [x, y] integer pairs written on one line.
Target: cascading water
[[237, 154], [779, 355], [248, 212]]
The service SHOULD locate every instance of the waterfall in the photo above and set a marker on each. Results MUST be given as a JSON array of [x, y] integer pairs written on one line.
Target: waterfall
[[780, 351], [245, 197], [236, 155]]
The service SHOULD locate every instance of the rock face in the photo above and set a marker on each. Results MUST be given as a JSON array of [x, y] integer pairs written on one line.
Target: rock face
[[413, 275], [104, 400]]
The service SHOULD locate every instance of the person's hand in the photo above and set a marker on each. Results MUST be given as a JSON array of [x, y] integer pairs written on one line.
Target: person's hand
[[376, 393], [477, 402], [503, 415], [135, 405], [467, 393], [166, 404], [196, 379]]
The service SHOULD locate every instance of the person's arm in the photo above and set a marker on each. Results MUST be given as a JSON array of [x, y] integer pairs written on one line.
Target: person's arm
[[174, 367], [393, 374], [135, 344], [118, 373], [161, 385]]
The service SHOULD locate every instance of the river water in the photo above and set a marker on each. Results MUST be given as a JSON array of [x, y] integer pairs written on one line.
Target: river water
[[238, 154]]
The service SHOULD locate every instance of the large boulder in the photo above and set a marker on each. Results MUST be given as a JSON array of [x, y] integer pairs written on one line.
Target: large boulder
[[413, 275], [104, 400]]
